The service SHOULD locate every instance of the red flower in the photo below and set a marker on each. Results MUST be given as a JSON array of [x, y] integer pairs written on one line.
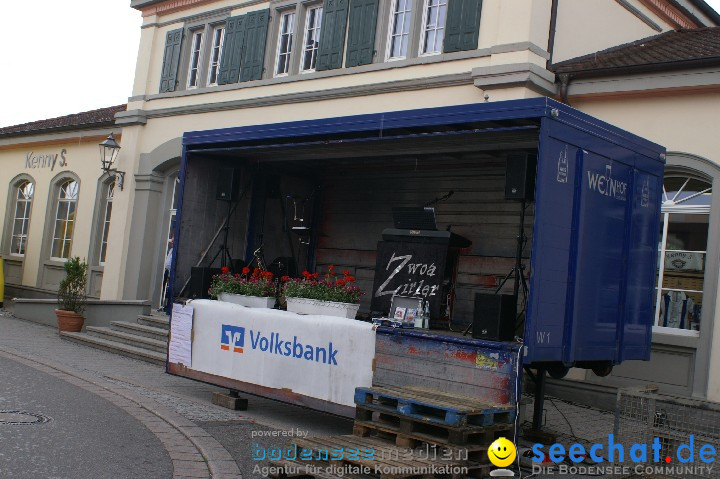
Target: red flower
[[314, 275], [340, 282], [266, 274], [225, 269], [285, 278], [256, 271], [306, 274], [346, 272], [331, 267], [350, 279], [245, 270]]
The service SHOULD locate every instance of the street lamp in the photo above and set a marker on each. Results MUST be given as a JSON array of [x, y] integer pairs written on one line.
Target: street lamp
[[109, 150]]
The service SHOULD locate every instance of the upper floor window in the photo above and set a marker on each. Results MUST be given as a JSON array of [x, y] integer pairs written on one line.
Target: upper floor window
[[285, 43], [311, 43], [195, 59], [433, 26], [218, 36], [400, 22], [684, 226], [65, 219], [21, 219], [107, 213]]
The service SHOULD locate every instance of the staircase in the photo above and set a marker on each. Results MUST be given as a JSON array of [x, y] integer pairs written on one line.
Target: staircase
[[145, 339]]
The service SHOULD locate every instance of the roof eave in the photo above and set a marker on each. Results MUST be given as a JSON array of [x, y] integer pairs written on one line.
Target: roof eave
[[652, 67]]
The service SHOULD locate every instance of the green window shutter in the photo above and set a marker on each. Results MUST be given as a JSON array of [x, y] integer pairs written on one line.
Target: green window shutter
[[171, 60], [361, 32], [332, 35], [232, 50], [463, 25], [253, 58]]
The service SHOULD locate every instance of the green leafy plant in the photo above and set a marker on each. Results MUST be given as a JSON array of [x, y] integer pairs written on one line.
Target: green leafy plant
[[331, 288], [71, 294], [258, 283]]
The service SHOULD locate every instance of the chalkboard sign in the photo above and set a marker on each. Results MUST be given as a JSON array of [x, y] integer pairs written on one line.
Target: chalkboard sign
[[409, 269]]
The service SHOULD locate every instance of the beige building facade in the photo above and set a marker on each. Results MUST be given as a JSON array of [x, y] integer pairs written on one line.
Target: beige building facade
[[57, 200], [206, 65]]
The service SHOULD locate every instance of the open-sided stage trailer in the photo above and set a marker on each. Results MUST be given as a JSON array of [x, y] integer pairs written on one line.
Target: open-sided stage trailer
[[591, 250]]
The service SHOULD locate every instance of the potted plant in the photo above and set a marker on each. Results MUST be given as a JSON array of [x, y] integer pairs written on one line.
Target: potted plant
[[330, 296], [71, 296], [254, 290]]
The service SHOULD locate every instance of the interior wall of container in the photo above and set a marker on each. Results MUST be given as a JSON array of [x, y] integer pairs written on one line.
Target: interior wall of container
[[350, 201]]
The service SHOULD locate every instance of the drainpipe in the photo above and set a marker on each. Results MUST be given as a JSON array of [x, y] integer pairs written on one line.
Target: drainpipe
[[564, 84], [551, 33]]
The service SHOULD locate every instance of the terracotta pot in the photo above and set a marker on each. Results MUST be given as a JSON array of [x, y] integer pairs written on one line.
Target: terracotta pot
[[69, 321]]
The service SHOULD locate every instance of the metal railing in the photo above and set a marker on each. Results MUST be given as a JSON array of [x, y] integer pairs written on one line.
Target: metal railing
[[644, 415]]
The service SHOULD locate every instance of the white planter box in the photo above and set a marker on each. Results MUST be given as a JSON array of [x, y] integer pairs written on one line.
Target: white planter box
[[323, 308], [249, 301]]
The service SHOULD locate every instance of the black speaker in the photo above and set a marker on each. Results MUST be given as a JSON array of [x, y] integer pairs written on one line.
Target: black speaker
[[228, 184], [201, 280], [520, 176], [494, 317]]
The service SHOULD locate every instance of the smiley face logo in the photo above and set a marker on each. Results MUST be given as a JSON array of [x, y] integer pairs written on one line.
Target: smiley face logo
[[502, 452]]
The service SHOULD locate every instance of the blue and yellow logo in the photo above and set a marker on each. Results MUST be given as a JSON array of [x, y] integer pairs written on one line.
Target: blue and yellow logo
[[232, 337]]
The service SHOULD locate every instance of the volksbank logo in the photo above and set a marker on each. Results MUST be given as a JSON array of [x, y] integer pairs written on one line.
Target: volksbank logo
[[234, 336], [606, 185]]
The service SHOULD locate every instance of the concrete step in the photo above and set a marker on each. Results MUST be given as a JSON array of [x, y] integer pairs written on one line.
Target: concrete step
[[127, 338], [154, 321], [141, 330], [115, 347]]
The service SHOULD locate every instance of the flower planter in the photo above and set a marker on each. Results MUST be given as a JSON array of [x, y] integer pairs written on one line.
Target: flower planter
[[249, 301], [69, 321], [324, 308]]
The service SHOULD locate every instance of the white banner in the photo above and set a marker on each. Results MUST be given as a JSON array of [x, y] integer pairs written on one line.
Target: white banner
[[323, 357]]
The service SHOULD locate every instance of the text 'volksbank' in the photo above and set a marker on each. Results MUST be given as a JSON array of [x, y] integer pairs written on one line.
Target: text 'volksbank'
[[274, 344]]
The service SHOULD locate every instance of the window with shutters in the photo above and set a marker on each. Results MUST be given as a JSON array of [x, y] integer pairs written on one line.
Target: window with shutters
[[313, 22], [65, 215], [285, 43], [433, 27], [399, 31], [195, 59], [218, 35], [24, 191]]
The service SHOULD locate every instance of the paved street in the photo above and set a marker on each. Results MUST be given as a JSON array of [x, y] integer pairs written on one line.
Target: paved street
[[174, 415], [71, 432], [127, 418]]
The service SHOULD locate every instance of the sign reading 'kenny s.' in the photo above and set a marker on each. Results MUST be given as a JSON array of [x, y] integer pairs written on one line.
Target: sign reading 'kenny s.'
[[46, 160]]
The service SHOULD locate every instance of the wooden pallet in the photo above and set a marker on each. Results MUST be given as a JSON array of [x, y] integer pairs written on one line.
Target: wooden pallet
[[386, 462], [410, 432], [435, 406]]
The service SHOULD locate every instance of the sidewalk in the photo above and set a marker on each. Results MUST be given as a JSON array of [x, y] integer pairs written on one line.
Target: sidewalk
[[189, 401]]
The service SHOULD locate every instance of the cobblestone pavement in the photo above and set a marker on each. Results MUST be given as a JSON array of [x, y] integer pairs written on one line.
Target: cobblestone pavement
[[185, 403], [188, 402]]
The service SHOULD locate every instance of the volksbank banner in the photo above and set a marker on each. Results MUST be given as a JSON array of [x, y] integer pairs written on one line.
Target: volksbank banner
[[318, 356]]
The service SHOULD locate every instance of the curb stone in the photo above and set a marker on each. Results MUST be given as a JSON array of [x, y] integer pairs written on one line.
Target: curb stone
[[194, 453]]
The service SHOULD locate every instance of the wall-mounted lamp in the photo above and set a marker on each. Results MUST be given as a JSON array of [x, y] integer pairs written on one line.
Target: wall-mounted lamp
[[109, 150]]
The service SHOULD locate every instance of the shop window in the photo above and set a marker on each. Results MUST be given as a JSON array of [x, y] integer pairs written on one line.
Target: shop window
[[218, 35], [65, 215], [400, 23], [195, 59], [285, 43], [311, 42], [21, 217], [684, 226], [433, 27], [107, 213]]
